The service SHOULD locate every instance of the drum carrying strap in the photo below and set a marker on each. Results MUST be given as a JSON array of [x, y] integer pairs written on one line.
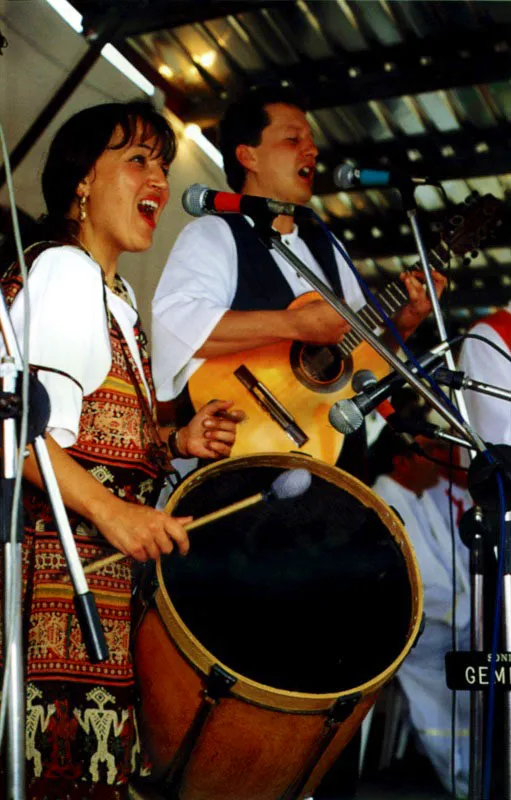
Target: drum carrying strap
[[339, 712], [218, 685]]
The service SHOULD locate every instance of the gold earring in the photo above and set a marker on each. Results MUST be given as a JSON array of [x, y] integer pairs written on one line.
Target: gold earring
[[83, 212]]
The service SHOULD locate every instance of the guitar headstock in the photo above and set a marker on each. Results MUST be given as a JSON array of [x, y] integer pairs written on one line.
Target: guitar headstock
[[470, 225]]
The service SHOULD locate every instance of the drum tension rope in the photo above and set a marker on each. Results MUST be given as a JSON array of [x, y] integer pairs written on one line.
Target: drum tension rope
[[337, 714], [218, 686]]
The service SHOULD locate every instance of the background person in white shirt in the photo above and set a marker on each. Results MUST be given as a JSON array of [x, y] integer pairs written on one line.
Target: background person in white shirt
[[489, 416], [412, 484]]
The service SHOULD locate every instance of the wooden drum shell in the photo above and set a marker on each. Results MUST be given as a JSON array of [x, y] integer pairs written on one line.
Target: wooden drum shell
[[258, 740]]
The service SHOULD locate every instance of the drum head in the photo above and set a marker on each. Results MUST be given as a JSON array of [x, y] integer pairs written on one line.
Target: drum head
[[308, 595]]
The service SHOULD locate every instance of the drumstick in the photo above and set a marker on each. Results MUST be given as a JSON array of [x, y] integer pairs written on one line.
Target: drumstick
[[289, 484]]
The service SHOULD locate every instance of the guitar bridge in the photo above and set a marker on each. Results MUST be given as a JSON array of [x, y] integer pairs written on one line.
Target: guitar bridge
[[271, 405]]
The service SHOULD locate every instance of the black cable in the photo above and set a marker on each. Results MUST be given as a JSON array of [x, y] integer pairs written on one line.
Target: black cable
[[438, 461], [481, 339]]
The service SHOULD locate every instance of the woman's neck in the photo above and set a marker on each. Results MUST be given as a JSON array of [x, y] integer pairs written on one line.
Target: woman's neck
[[105, 260]]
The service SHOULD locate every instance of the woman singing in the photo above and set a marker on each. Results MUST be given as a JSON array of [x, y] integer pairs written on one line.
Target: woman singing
[[105, 187]]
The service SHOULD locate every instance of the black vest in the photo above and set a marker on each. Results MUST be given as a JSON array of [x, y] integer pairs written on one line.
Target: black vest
[[261, 285]]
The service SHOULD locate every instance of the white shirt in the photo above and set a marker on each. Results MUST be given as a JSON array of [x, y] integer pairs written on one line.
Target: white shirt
[[431, 540], [69, 332], [422, 674], [197, 287], [489, 416]]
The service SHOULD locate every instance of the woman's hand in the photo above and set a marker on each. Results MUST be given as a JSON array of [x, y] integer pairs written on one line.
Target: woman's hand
[[138, 531], [141, 532], [212, 431]]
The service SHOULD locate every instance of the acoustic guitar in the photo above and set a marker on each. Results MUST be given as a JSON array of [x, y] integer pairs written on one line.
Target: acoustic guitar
[[288, 388]]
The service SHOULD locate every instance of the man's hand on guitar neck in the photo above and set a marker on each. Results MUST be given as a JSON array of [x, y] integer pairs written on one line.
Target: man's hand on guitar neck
[[419, 307]]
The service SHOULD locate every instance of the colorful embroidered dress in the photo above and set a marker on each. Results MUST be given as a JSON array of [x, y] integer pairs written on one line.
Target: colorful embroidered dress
[[82, 737]]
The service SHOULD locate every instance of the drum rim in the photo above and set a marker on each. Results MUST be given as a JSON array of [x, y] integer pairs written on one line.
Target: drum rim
[[201, 659]]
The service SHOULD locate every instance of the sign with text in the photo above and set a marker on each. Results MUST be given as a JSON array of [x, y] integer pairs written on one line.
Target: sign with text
[[471, 670]]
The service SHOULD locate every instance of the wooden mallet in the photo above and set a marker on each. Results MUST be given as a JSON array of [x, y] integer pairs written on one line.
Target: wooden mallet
[[289, 484]]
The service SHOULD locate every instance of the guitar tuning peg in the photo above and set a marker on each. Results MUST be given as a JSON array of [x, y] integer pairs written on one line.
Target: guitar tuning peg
[[474, 254], [466, 262]]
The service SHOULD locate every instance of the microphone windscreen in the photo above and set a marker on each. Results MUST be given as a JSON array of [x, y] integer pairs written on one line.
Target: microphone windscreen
[[345, 416], [344, 177], [292, 483], [363, 379], [192, 199]]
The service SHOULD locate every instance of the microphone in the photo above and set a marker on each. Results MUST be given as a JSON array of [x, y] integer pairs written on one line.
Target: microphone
[[346, 416], [365, 379], [414, 428], [458, 380], [346, 176], [198, 200]]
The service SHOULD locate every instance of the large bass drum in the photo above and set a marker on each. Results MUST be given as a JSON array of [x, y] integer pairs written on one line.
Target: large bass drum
[[267, 644]]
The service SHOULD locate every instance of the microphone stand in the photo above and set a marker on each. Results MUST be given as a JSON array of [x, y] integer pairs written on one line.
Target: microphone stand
[[13, 657], [477, 624], [407, 194], [460, 380], [92, 633], [474, 535]]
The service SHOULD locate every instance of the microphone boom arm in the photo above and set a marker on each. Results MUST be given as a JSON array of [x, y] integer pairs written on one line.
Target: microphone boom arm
[[367, 334], [459, 380]]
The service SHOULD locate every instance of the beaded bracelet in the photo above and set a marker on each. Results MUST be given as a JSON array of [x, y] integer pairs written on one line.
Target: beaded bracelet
[[173, 444]]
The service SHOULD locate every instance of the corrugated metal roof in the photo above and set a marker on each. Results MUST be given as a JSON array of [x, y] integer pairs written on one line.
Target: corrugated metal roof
[[421, 85]]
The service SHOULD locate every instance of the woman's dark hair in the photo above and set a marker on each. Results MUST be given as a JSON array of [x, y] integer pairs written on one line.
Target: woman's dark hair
[[244, 122], [78, 145]]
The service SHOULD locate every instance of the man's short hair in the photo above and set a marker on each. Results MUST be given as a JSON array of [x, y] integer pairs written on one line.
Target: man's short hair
[[244, 122]]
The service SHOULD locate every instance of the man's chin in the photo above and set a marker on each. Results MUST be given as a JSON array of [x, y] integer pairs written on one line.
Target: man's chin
[[298, 198], [305, 197]]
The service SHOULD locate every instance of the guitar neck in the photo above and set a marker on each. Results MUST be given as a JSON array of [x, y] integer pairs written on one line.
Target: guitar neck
[[392, 299]]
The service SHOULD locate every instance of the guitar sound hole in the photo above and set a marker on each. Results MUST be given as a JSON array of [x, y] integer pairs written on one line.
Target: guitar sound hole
[[322, 369]]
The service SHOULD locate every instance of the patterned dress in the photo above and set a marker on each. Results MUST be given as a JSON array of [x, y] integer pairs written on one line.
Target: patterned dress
[[81, 730]]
